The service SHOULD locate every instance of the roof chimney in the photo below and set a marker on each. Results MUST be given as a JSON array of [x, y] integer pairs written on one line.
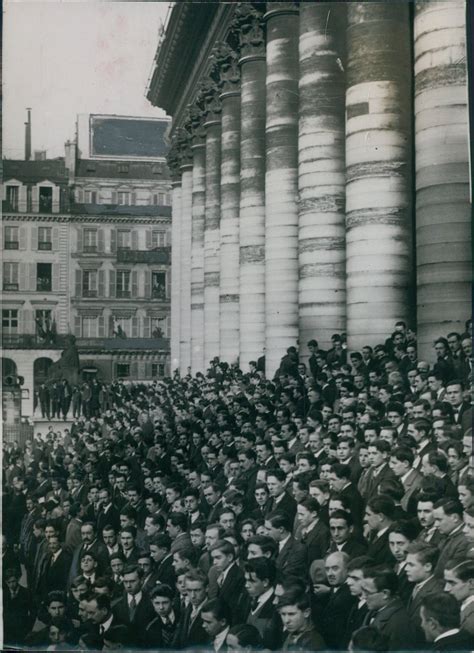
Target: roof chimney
[[28, 136]]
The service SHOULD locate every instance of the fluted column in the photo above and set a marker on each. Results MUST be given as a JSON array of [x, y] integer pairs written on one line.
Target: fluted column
[[321, 174], [197, 248], [212, 226], [230, 195], [173, 166], [379, 263], [281, 183], [185, 254], [252, 185], [443, 212]]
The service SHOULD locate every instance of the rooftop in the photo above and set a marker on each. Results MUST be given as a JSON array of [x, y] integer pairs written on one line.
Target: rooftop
[[34, 171]]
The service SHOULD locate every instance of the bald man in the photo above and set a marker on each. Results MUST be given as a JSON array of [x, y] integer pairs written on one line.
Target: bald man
[[338, 601]]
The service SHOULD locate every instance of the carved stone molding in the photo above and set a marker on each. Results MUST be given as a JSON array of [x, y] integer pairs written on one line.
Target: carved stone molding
[[184, 140], [226, 63], [249, 24]]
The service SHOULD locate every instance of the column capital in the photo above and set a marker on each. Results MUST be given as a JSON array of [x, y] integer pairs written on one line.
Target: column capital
[[209, 92], [172, 159], [226, 62], [250, 26], [196, 118], [183, 139], [279, 8]]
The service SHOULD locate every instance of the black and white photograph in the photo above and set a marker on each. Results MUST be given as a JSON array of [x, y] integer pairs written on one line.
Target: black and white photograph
[[236, 287]]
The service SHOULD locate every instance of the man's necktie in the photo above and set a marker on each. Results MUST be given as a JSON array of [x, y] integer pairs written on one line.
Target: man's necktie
[[101, 630], [132, 607], [254, 604]]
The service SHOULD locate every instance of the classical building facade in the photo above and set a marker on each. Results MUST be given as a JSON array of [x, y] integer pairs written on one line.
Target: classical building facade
[[86, 251], [320, 174]]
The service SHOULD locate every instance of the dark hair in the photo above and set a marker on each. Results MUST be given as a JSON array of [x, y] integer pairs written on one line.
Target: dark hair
[[162, 590], [382, 505], [178, 519], [427, 554], [281, 520], [450, 507], [263, 568], [369, 638], [384, 578], [247, 635], [219, 609], [443, 608]]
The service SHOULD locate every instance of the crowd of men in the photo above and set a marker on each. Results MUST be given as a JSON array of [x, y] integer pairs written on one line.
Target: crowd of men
[[330, 508]]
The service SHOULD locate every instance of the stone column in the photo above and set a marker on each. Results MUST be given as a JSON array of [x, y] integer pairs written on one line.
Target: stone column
[[229, 72], [185, 253], [173, 165], [212, 225], [443, 213], [281, 183], [252, 185], [197, 249], [378, 177], [321, 174]]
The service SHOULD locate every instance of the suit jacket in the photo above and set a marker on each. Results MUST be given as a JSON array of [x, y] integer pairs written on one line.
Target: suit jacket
[[393, 622], [164, 573], [356, 503], [144, 613], [467, 618], [183, 538], [268, 623], [432, 586], [310, 640], [460, 641], [379, 550], [292, 559], [333, 618], [55, 574], [98, 548], [352, 547], [287, 504], [355, 620], [316, 542], [189, 633], [374, 481], [109, 518], [232, 588], [455, 547], [410, 484]]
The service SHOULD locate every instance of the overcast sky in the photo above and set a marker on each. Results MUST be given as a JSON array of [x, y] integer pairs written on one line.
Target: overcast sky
[[65, 58]]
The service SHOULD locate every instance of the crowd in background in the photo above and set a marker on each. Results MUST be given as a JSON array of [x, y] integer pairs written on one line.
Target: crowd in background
[[329, 508]]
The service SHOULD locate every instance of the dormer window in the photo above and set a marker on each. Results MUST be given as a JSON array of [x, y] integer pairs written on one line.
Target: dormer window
[[123, 167], [12, 197], [45, 199]]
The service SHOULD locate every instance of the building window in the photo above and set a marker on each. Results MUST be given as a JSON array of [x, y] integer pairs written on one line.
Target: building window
[[123, 198], [90, 240], [44, 324], [158, 285], [124, 239], [158, 239], [9, 321], [44, 277], [45, 199], [91, 197], [45, 238], [158, 199], [12, 198], [10, 276], [89, 283], [123, 167], [123, 284], [157, 169], [89, 327], [123, 370], [11, 240]]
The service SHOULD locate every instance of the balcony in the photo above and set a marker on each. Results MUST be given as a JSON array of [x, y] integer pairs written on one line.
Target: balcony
[[32, 341], [124, 344], [158, 256]]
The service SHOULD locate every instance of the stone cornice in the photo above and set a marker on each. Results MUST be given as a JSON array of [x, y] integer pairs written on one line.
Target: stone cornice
[[102, 219], [175, 91]]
